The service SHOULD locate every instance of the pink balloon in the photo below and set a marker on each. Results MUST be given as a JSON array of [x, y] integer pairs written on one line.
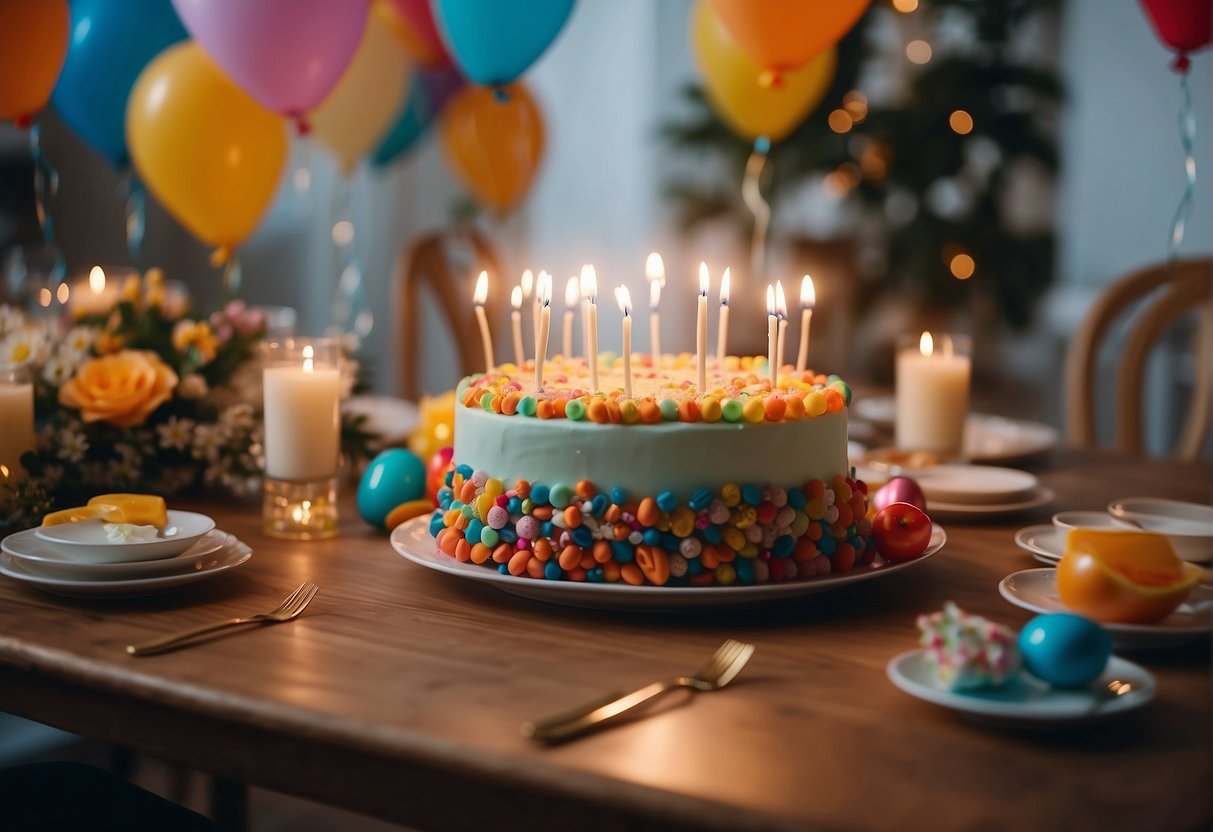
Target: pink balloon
[[287, 54]]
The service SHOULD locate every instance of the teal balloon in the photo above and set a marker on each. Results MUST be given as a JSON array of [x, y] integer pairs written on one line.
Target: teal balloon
[[494, 41], [395, 476], [111, 42], [428, 93]]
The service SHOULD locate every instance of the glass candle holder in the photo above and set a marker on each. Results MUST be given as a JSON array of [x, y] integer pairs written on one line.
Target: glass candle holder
[[932, 383], [17, 418], [302, 383]]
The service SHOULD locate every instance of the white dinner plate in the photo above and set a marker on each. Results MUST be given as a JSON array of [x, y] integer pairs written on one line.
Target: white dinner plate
[[87, 541], [233, 555], [28, 547], [975, 484], [1026, 700], [1036, 590], [412, 540], [1038, 497], [1046, 542], [391, 418]]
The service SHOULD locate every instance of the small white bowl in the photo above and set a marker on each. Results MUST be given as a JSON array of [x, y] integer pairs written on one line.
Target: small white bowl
[[1064, 521], [1189, 526], [86, 541]]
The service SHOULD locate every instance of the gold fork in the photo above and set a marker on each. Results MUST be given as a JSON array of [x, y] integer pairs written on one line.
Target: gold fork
[[725, 664], [288, 609]]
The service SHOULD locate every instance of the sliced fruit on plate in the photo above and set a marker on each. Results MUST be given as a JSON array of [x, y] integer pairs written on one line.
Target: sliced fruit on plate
[[136, 509]]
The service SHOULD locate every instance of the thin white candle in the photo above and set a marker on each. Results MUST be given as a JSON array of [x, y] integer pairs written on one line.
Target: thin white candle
[[538, 300], [701, 332], [808, 300], [527, 282], [772, 333], [722, 327], [570, 303], [654, 273], [589, 291], [781, 309], [544, 294], [479, 297], [583, 283], [624, 298], [516, 324]]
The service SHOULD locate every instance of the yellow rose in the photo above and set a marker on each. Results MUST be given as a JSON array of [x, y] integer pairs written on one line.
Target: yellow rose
[[122, 389]]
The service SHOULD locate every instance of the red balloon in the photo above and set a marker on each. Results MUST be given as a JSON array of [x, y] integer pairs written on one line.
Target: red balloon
[[1183, 25]]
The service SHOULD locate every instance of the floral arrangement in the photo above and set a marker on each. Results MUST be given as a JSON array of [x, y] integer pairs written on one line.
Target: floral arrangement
[[142, 397]]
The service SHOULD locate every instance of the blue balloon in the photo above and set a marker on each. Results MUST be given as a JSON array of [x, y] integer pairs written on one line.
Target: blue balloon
[[494, 41], [111, 42]]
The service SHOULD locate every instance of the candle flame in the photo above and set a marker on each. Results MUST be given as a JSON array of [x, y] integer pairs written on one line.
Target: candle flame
[[808, 295], [589, 283], [482, 289], [703, 279], [96, 280], [724, 287], [571, 291], [654, 295], [926, 345], [4, 471], [624, 298], [527, 283], [516, 297], [543, 275], [308, 363], [770, 300], [654, 268], [781, 302]]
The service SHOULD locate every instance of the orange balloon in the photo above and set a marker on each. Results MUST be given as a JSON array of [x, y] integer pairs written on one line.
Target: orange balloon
[[494, 146], [785, 34], [33, 44]]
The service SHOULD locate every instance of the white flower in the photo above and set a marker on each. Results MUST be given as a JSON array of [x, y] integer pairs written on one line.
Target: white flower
[[192, 387], [11, 319], [73, 444], [18, 347], [176, 433], [238, 417], [78, 342], [59, 368], [207, 442]]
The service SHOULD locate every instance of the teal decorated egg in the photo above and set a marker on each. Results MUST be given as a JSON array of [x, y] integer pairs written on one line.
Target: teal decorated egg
[[395, 476], [1065, 650]]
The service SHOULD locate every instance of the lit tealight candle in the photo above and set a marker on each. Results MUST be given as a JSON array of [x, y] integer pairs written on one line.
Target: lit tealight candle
[[516, 323], [701, 332], [808, 299], [479, 297], [543, 292], [589, 293], [570, 303], [95, 296], [722, 328], [781, 309], [654, 273], [624, 299], [772, 333]]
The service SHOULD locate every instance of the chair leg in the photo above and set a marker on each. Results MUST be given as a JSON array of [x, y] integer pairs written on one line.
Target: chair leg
[[229, 804]]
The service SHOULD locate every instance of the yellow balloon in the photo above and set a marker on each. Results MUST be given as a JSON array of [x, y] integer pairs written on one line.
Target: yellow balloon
[[33, 43], [209, 153], [732, 80], [366, 101]]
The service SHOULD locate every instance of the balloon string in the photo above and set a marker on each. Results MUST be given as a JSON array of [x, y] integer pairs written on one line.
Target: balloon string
[[751, 193], [233, 276], [351, 312], [136, 215], [1187, 140]]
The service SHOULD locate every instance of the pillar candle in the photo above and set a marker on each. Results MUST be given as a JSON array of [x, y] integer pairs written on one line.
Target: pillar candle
[[932, 394], [302, 419], [17, 417]]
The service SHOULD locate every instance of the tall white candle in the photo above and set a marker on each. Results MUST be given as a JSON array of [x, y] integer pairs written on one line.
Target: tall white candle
[[808, 300], [570, 303], [722, 326], [516, 325], [624, 299], [589, 291], [781, 309], [932, 395], [302, 420], [772, 334], [583, 284], [701, 332], [544, 294], [17, 417], [527, 283], [654, 273], [479, 297], [538, 305]]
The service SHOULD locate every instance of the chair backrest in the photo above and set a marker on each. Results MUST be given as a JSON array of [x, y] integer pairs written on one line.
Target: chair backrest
[[434, 260], [1164, 293]]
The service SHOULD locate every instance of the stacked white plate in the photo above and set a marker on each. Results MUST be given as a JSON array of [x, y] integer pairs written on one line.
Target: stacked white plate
[[81, 560], [975, 491]]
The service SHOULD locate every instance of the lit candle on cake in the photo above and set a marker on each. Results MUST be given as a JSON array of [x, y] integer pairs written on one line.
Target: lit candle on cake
[[527, 282], [772, 333], [17, 417], [543, 293], [583, 283], [570, 303], [932, 394], [701, 332], [808, 299], [722, 327], [781, 309], [589, 291], [624, 299], [538, 300], [516, 324], [479, 297], [654, 273]]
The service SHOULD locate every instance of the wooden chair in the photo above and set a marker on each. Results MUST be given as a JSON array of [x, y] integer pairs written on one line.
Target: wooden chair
[[1165, 293], [446, 262]]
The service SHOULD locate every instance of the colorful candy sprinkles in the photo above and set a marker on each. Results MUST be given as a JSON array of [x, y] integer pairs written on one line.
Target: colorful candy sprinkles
[[738, 534]]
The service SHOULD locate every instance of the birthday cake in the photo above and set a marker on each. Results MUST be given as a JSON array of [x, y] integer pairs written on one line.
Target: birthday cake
[[746, 483]]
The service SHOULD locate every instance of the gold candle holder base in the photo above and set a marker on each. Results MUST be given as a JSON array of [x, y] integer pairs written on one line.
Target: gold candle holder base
[[294, 510]]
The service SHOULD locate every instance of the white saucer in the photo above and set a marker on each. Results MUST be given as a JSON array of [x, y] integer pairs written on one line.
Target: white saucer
[[1046, 542], [86, 540], [975, 484], [1026, 700], [233, 555], [1040, 496], [46, 560], [1036, 590]]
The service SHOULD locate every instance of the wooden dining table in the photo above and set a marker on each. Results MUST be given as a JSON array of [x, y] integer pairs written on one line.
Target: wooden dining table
[[400, 693]]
